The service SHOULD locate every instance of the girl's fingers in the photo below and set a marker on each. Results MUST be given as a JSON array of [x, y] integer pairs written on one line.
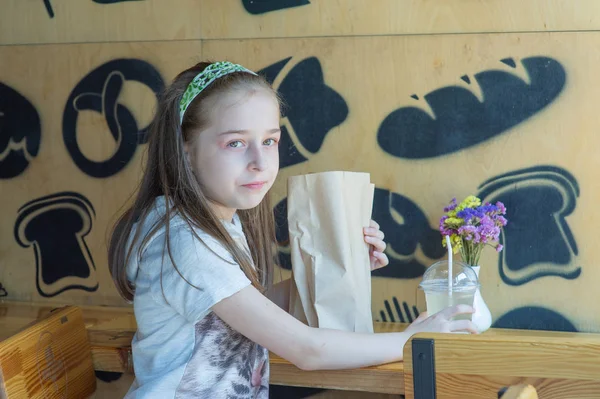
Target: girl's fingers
[[463, 325], [374, 237], [381, 260], [379, 245], [372, 232]]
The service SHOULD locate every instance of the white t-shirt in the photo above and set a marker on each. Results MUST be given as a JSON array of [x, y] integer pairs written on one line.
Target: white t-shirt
[[181, 348]]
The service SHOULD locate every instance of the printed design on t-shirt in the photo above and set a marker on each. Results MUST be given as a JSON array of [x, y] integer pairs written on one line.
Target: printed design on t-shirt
[[225, 364]]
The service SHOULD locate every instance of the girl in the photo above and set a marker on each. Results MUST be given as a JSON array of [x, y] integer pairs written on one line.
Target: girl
[[196, 251]]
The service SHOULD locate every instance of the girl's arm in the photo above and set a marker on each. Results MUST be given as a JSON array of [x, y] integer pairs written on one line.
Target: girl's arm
[[280, 294], [260, 320]]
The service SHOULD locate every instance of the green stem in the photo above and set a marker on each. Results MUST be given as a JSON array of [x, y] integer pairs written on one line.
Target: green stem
[[470, 252]]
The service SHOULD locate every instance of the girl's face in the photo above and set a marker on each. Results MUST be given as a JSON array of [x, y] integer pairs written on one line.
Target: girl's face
[[236, 158]]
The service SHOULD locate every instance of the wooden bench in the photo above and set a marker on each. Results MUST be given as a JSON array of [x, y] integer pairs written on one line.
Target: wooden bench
[[556, 364], [48, 358]]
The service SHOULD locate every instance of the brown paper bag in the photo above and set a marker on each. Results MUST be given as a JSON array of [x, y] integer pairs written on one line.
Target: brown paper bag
[[331, 284]]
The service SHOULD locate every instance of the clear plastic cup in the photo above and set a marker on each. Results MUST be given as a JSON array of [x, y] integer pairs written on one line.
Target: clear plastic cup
[[435, 286]]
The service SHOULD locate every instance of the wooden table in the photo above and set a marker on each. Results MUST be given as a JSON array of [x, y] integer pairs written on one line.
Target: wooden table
[[110, 330], [387, 378]]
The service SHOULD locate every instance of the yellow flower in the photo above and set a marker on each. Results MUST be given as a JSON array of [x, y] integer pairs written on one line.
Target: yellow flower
[[455, 241], [470, 202], [454, 222]]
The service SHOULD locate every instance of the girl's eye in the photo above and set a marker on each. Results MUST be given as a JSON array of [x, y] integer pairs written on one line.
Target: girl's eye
[[235, 144], [270, 142]]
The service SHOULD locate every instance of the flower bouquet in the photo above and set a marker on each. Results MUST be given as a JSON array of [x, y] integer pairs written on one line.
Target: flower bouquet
[[471, 226]]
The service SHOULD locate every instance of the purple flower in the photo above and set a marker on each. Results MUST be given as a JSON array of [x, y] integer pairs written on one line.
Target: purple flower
[[444, 230], [442, 222], [499, 247], [452, 206], [488, 208], [486, 222], [501, 221], [468, 214], [501, 208], [487, 230], [469, 232]]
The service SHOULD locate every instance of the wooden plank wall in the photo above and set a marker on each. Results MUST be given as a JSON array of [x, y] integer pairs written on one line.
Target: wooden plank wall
[[435, 99]]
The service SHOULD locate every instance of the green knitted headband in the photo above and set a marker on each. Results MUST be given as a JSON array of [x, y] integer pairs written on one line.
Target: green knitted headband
[[203, 79]]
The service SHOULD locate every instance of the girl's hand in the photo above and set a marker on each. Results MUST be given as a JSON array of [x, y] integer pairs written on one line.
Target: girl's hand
[[374, 237], [441, 321]]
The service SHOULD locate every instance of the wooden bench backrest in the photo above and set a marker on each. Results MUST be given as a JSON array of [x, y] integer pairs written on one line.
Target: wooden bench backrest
[[558, 365], [50, 358]]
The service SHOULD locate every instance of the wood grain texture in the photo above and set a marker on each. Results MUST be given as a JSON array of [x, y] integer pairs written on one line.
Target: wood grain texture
[[558, 365], [379, 379], [392, 17], [85, 21], [109, 329], [49, 358]]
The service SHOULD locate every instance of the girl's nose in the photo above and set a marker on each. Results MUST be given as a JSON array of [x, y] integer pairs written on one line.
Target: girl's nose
[[258, 159]]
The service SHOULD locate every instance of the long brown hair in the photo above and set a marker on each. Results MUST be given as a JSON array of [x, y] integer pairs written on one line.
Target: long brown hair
[[168, 173]]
